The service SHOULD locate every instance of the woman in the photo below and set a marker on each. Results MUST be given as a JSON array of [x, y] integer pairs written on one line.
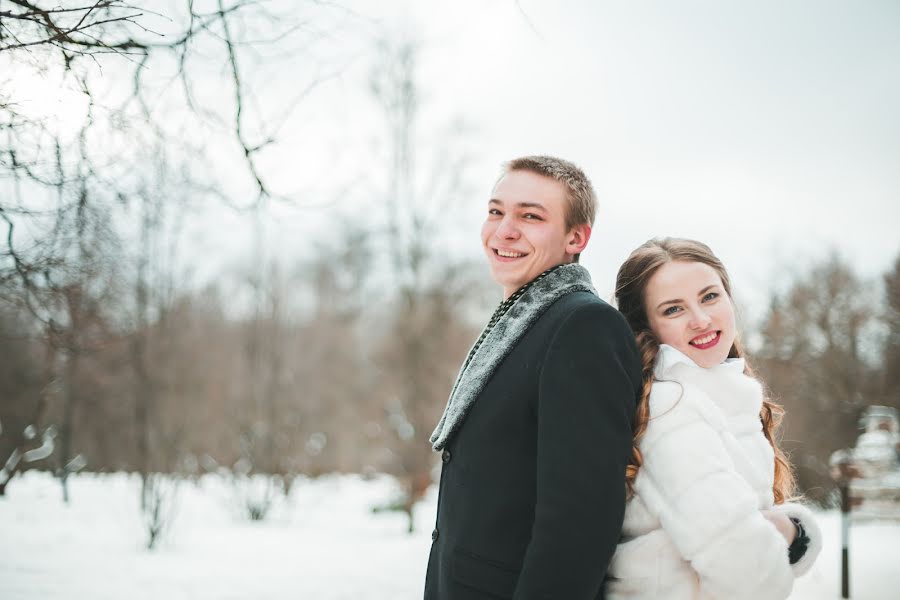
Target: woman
[[707, 516]]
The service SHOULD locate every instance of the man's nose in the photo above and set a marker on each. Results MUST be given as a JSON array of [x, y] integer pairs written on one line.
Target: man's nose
[[507, 229]]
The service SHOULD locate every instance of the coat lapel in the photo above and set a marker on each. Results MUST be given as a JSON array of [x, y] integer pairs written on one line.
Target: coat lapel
[[500, 341]]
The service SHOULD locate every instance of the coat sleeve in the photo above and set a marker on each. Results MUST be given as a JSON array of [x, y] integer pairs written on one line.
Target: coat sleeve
[[811, 527], [586, 400], [710, 512]]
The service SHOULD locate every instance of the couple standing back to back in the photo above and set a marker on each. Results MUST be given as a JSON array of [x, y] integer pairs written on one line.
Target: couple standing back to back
[[587, 454]]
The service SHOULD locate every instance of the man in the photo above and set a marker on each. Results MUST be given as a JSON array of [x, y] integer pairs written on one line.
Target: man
[[537, 432]]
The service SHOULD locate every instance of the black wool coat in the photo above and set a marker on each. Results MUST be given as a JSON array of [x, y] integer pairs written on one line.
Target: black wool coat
[[532, 492]]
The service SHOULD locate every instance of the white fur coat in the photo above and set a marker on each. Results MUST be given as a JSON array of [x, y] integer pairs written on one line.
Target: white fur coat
[[694, 530]]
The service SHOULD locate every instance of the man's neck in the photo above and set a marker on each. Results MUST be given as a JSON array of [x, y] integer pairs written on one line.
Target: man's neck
[[509, 293]]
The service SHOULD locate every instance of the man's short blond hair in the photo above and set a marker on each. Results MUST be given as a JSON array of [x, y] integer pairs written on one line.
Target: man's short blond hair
[[581, 206]]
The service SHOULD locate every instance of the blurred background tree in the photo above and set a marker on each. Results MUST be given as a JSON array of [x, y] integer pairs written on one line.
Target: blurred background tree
[[826, 346], [310, 367], [336, 359]]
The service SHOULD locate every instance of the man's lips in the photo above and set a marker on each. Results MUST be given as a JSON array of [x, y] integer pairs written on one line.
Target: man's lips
[[508, 255], [706, 340]]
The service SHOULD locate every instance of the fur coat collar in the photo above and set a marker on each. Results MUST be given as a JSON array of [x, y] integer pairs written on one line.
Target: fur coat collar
[[734, 394], [502, 338]]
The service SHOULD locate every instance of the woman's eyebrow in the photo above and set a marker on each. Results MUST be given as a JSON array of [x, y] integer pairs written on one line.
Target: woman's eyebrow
[[677, 300]]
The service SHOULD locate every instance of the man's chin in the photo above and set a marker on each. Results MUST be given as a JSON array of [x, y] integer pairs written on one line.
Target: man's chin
[[505, 278]]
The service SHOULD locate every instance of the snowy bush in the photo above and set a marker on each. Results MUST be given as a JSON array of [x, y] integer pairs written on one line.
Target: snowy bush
[[158, 506]]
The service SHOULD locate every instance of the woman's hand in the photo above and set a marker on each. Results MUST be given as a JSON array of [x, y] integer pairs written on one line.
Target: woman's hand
[[782, 523]]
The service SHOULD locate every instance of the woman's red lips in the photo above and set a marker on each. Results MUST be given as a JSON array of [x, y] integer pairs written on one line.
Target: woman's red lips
[[706, 344]]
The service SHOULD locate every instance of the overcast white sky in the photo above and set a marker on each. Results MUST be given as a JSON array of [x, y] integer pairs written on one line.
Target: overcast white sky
[[768, 129]]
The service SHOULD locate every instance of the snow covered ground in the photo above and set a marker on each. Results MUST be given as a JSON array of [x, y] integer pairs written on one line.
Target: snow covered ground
[[323, 543]]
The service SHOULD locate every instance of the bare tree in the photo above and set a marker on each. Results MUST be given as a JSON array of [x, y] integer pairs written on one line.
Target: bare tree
[[23, 387], [55, 185], [74, 42], [160, 503], [77, 296], [149, 330], [891, 381], [91, 27], [334, 394], [820, 357], [259, 476], [419, 355]]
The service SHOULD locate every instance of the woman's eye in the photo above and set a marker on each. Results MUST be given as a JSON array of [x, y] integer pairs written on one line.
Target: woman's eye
[[671, 311], [494, 211], [710, 296], [532, 217]]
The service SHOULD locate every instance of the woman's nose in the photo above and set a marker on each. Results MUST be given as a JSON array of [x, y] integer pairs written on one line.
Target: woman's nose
[[699, 319]]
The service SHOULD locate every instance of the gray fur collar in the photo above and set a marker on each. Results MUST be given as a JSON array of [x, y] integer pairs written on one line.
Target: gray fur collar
[[501, 340]]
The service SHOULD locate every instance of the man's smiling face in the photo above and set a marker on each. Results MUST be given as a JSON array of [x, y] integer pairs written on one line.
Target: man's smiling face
[[525, 231]]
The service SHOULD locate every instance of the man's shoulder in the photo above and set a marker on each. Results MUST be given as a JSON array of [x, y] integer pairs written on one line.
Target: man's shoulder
[[583, 305], [575, 300], [583, 318]]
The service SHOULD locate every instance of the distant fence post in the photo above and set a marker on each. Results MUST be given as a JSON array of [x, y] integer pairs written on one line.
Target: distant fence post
[[842, 472], [845, 538]]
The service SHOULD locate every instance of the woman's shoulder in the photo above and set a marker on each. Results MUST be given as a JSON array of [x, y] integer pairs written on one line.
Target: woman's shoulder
[[670, 396], [675, 403]]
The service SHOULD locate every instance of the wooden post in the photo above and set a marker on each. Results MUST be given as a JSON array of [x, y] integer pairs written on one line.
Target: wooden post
[[844, 487], [842, 471]]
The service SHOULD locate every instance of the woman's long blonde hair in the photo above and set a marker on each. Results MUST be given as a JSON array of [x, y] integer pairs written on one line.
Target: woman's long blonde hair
[[631, 286]]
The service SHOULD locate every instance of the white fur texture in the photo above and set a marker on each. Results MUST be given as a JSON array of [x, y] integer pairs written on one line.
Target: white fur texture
[[694, 529]]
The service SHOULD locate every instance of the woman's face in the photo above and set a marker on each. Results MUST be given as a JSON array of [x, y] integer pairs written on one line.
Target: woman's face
[[688, 309]]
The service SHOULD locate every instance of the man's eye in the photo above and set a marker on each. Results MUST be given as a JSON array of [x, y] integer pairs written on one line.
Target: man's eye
[[671, 311], [494, 211], [532, 217], [710, 296]]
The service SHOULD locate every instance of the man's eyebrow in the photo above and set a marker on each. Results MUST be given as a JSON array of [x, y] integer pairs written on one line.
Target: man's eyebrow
[[537, 205], [677, 300]]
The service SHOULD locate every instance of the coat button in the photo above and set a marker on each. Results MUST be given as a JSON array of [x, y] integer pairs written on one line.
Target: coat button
[[434, 535], [445, 456]]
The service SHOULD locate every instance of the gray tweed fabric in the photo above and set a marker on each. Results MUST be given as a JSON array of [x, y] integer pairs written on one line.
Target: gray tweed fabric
[[501, 339]]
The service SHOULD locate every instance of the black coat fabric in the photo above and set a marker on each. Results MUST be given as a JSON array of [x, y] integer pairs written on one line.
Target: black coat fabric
[[532, 492]]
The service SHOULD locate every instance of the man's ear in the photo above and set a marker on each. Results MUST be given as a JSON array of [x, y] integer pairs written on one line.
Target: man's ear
[[578, 239]]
